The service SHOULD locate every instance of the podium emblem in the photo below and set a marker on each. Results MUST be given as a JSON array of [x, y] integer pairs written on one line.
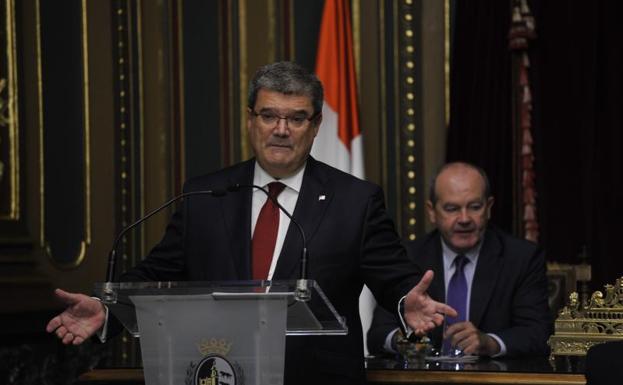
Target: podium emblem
[[215, 368]]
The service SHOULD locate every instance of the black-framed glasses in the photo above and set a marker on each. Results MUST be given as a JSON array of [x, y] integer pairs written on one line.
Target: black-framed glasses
[[295, 120]]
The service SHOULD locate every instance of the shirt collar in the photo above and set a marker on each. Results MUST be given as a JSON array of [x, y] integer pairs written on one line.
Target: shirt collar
[[262, 178], [449, 254]]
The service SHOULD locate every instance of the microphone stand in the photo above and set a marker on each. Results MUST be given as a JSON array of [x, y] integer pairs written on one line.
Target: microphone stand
[[302, 292], [109, 293]]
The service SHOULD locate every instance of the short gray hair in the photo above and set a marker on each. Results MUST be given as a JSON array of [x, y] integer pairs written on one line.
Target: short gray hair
[[287, 78]]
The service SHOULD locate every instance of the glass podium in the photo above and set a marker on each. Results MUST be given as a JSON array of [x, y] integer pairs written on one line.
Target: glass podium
[[218, 332]]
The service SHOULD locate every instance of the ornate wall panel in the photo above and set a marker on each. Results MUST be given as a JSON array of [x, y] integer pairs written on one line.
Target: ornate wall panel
[[396, 160], [64, 131], [416, 54], [200, 23]]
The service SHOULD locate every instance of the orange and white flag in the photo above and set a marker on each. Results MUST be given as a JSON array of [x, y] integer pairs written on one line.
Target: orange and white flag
[[338, 142]]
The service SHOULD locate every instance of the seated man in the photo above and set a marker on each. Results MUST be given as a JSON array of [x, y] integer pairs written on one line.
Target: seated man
[[496, 282]]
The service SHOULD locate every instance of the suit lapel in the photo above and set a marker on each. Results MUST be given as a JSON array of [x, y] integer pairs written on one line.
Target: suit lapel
[[437, 289], [486, 276], [314, 198], [237, 218]]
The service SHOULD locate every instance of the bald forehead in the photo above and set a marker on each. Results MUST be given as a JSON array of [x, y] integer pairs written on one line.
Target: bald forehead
[[459, 175]]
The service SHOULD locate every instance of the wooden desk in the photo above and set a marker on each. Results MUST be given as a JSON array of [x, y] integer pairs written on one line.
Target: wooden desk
[[388, 371], [472, 377], [117, 376], [533, 371]]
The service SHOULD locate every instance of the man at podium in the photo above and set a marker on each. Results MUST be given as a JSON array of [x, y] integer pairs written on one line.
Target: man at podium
[[243, 235]]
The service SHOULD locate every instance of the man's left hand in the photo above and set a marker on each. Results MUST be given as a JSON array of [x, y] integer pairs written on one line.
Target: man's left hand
[[422, 313], [466, 337]]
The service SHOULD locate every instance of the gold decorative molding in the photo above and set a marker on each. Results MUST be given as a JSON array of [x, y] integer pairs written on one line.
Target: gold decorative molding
[[580, 326], [141, 113], [87, 132], [383, 97], [40, 124], [245, 151], [123, 111], [129, 42], [5, 120], [180, 103], [447, 52], [9, 122], [406, 132], [129, 124]]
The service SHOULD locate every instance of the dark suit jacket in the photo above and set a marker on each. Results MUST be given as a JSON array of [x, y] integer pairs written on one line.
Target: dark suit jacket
[[508, 297], [351, 241]]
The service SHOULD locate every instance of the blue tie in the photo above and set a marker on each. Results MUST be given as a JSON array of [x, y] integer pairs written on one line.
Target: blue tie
[[457, 296]]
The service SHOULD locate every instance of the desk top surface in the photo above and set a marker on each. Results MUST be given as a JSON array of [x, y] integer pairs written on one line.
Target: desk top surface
[[566, 365], [533, 370]]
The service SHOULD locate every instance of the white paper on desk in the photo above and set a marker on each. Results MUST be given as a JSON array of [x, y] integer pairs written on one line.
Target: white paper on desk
[[457, 359]]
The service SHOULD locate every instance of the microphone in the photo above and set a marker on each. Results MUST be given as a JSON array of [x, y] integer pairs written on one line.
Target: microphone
[[302, 292], [112, 256]]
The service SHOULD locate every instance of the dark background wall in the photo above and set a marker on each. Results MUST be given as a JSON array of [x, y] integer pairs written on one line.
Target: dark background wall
[[577, 122]]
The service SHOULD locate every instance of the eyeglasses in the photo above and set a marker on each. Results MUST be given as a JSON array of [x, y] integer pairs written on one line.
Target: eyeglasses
[[296, 120]]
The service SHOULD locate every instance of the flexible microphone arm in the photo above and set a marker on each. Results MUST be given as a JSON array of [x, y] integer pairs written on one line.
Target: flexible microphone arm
[[302, 292], [112, 256]]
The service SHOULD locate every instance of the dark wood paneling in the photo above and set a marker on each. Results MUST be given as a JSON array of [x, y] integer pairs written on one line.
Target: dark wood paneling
[[63, 129], [202, 87]]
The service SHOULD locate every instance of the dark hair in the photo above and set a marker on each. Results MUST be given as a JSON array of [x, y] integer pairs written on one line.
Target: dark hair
[[287, 78], [432, 194]]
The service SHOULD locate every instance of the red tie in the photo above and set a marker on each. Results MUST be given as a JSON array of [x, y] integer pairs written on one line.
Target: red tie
[[265, 235]]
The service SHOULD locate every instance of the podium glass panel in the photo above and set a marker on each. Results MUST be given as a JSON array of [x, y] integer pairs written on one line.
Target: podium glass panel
[[217, 332]]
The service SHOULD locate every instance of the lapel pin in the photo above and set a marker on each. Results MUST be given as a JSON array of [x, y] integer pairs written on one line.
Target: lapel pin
[[322, 197]]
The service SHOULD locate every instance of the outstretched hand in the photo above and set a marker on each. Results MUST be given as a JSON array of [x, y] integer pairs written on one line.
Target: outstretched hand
[[81, 319], [422, 313]]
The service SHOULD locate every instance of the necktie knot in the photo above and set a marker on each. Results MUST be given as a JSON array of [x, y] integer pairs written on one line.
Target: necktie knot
[[459, 263], [275, 188]]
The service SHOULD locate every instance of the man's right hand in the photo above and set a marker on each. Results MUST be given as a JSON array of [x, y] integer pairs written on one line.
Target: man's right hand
[[83, 317], [422, 313]]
